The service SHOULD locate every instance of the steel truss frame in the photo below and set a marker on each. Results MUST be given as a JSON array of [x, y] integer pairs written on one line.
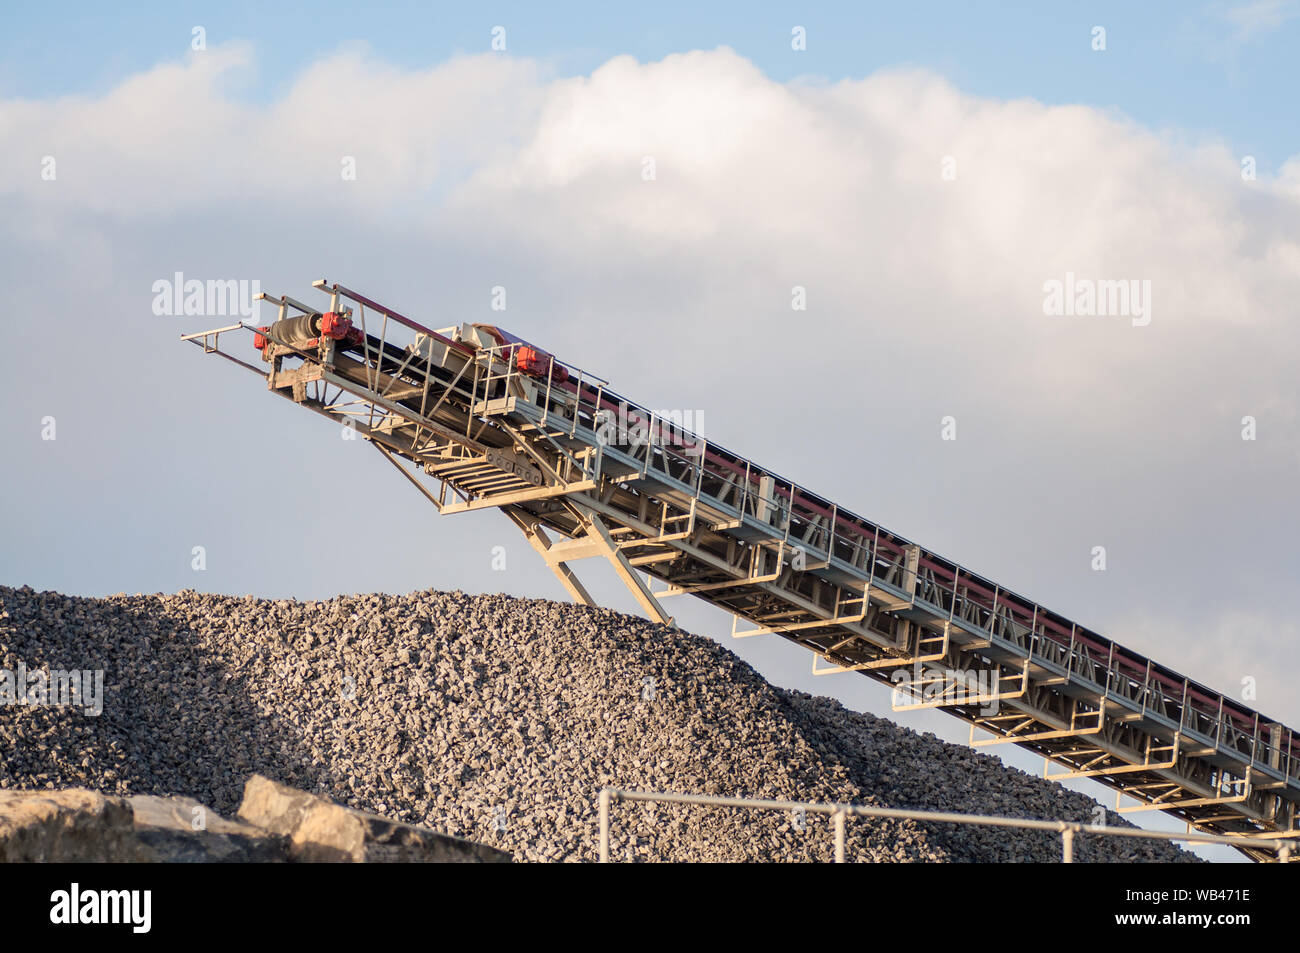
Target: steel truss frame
[[470, 430]]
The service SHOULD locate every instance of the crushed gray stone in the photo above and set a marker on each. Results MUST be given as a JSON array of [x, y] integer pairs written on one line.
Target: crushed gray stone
[[496, 719]]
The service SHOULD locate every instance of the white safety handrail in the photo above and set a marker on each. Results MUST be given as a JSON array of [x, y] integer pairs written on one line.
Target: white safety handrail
[[840, 813]]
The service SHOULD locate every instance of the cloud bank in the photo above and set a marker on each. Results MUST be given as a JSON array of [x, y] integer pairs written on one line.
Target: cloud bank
[[657, 222]]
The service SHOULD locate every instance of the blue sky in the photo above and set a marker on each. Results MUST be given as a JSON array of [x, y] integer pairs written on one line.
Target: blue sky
[[1207, 69]]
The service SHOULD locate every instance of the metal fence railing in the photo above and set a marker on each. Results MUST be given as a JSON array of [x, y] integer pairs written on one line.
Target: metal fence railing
[[1281, 845]]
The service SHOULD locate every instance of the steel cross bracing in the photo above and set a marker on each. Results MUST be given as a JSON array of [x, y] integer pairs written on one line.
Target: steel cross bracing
[[583, 472]]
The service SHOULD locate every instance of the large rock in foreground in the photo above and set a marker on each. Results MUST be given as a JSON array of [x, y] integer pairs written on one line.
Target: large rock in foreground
[[321, 831], [276, 824], [181, 830], [60, 826]]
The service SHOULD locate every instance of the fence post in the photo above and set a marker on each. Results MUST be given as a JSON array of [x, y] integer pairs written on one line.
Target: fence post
[[839, 817], [1067, 845], [1284, 855], [604, 825]]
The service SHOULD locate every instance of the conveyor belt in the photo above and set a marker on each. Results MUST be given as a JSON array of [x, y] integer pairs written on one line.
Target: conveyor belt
[[471, 430]]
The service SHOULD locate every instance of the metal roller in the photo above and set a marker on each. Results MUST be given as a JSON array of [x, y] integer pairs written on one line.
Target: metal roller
[[296, 332]]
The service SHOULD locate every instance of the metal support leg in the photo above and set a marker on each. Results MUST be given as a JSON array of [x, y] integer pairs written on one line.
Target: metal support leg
[[595, 541], [598, 533], [542, 543]]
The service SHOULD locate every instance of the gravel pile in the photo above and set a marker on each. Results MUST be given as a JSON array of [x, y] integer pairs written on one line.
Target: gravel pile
[[495, 719]]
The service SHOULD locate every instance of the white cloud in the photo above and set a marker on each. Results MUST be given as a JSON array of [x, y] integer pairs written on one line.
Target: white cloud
[[178, 137], [925, 295], [1259, 17]]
